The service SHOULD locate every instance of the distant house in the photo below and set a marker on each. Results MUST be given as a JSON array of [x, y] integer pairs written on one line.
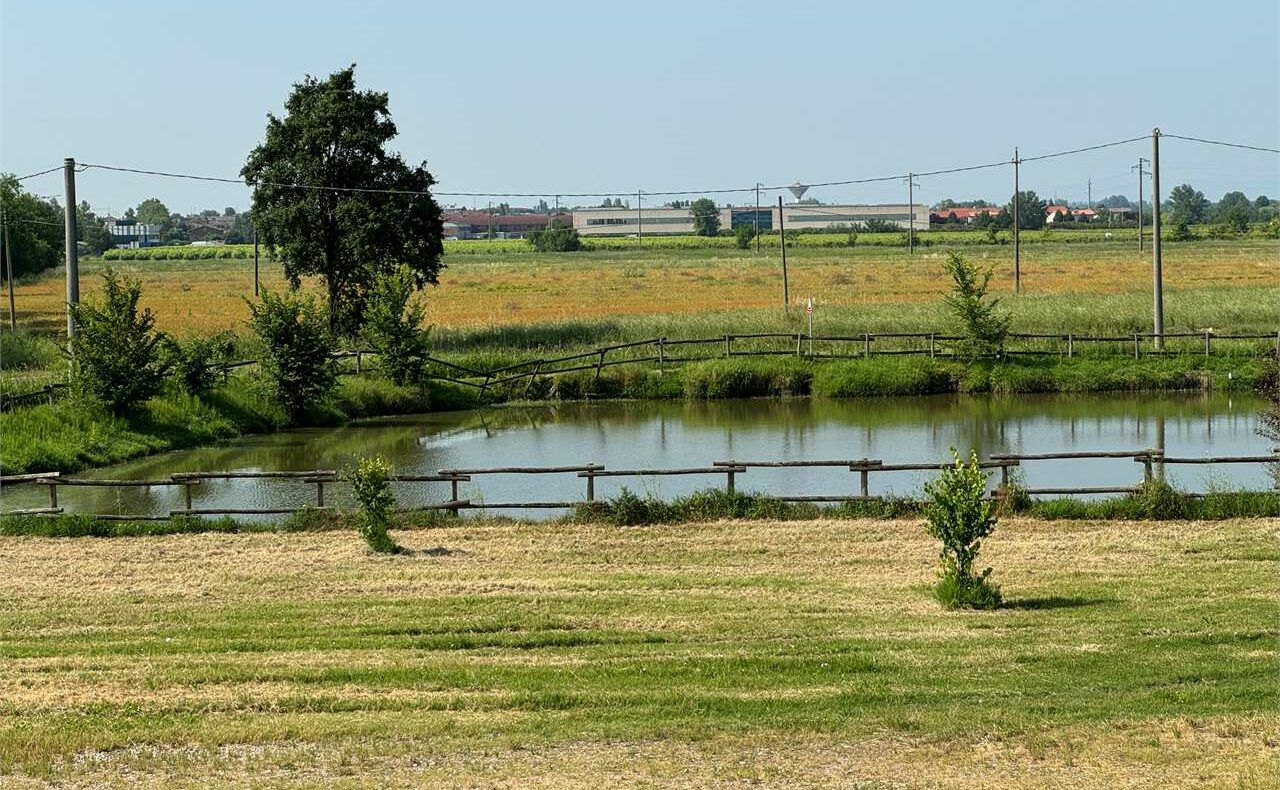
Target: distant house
[[1051, 213], [962, 214]]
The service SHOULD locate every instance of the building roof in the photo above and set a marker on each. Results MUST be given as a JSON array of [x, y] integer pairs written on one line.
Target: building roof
[[484, 218], [1049, 211]]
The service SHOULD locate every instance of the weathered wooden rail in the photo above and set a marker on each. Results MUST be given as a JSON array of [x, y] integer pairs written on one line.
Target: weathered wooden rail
[[1152, 461], [847, 346]]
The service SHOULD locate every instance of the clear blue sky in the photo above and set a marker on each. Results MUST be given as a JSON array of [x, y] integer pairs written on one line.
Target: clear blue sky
[[595, 96]]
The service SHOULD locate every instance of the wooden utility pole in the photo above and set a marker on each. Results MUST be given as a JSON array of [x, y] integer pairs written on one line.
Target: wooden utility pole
[[1157, 277], [1017, 240], [910, 213], [8, 269], [255, 261], [639, 221], [757, 217], [73, 260], [782, 242], [1141, 173]]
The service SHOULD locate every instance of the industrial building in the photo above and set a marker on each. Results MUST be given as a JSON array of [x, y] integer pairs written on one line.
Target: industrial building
[[796, 216]]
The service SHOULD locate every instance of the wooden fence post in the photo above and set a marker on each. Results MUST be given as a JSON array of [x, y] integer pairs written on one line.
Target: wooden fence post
[[453, 496], [600, 365], [866, 344], [864, 481], [53, 495], [729, 471], [798, 336], [1206, 344], [319, 493], [1146, 468], [662, 354], [536, 370], [932, 345], [728, 349], [186, 489], [591, 485], [1071, 346], [359, 362], [1135, 345]]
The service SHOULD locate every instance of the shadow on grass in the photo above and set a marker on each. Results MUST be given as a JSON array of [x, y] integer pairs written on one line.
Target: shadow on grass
[[1055, 602]]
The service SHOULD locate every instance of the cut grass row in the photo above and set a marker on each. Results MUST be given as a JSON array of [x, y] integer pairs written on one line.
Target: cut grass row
[[518, 654]]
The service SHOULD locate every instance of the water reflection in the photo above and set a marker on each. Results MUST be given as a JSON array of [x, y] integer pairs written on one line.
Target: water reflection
[[691, 433]]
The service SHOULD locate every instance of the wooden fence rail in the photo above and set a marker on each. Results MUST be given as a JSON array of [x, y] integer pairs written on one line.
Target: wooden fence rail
[[846, 346], [730, 469]]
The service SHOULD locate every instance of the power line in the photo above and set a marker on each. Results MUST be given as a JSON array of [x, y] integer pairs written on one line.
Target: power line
[[1219, 142], [611, 193], [42, 172], [1086, 148]]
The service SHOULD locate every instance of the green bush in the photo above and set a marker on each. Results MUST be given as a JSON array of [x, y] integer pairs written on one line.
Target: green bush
[[393, 327], [743, 235], [746, 378], [116, 357], [959, 517], [296, 363], [370, 481], [881, 376], [556, 239], [200, 363]]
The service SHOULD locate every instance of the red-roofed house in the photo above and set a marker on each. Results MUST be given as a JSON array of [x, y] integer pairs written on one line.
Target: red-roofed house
[[961, 214]]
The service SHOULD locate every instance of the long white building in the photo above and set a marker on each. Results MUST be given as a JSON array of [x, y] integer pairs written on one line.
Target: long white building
[[796, 216]]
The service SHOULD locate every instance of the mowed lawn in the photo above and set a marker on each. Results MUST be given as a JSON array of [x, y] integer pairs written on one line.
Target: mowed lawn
[[488, 290], [730, 654]]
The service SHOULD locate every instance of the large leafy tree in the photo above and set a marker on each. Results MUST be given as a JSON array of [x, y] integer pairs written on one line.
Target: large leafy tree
[[91, 230], [330, 200], [152, 212], [35, 228], [1187, 205], [706, 220], [1030, 210]]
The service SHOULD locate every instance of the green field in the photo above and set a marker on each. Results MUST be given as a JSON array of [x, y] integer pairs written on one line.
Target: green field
[[797, 654]]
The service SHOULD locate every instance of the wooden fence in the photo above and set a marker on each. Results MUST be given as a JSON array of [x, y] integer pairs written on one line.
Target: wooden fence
[[1152, 462], [666, 352]]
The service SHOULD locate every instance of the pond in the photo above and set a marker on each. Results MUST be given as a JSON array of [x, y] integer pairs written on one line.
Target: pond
[[671, 434]]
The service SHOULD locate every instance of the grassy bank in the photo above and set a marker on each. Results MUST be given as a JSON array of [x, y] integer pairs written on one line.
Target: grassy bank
[[69, 435], [777, 654]]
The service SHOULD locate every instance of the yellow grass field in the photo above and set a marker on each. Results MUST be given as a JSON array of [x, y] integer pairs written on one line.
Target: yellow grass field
[[729, 654], [479, 290]]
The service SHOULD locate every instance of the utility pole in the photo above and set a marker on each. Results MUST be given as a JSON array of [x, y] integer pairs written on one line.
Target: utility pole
[[782, 242], [1157, 277], [255, 261], [490, 220], [73, 260], [1017, 240], [1089, 200], [8, 270], [757, 217], [639, 221], [911, 213], [1141, 173]]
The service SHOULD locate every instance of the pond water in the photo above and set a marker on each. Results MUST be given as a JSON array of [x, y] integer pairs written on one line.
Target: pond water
[[670, 434]]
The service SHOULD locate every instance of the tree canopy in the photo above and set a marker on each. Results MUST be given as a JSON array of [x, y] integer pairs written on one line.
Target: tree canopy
[[152, 212], [706, 220], [35, 228], [1030, 210], [1187, 205], [312, 206]]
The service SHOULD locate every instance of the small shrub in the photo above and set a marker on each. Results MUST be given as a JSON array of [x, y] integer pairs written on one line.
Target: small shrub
[[370, 481], [556, 239], [296, 361], [983, 326], [1181, 232], [960, 518], [393, 327], [200, 363], [743, 235], [115, 353]]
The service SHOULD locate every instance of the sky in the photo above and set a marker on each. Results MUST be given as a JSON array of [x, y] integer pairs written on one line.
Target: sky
[[566, 97]]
